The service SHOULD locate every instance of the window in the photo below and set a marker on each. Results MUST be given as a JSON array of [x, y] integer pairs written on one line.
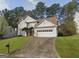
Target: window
[[44, 30], [50, 30]]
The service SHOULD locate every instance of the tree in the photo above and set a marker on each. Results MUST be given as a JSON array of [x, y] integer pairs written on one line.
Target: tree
[[34, 14], [19, 11], [29, 31], [26, 30], [70, 7], [31, 14], [53, 9], [3, 26], [68, 27], [10, 17], [14, 16], [40, 10], [68, 10]]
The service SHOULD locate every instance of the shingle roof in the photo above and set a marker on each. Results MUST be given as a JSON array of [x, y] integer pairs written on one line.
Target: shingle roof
[[50, 19], [30, 19], [27, 19]]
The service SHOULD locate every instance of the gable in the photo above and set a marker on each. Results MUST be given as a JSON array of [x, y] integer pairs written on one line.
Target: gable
[[46, 23], [24, 22], [29, 19]]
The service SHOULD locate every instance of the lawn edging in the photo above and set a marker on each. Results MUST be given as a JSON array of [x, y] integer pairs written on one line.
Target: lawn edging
[[54, 45]]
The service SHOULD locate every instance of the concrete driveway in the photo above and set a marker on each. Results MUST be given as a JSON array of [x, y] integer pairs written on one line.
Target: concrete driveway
[[38, 48]]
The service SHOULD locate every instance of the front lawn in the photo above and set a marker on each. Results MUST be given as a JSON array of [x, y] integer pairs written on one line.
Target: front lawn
[[15, 43], [68, 46]]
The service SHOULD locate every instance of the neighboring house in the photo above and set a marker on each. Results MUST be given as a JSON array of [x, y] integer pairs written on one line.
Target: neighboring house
[[76, 20], [10, 32], [42, 28], [6, 30]]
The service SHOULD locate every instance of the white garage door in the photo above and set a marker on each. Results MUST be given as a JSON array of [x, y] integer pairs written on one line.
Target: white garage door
[[46, 32]]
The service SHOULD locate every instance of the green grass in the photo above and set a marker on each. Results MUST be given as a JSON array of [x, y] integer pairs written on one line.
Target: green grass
[[68, 46], [15, 43]]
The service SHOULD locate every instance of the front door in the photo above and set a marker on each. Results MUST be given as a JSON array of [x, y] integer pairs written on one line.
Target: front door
[[31, 31]]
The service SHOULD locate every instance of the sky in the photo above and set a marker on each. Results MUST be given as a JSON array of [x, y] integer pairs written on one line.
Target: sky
[[28, 4]]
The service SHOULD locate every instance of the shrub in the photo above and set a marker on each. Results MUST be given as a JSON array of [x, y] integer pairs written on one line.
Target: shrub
[[67, 28], [19, 35], [1, 35]]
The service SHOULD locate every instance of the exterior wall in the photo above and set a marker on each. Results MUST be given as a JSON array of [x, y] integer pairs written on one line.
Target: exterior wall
[[76, 19], [45, 34], [23, 25], [32, 24]]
